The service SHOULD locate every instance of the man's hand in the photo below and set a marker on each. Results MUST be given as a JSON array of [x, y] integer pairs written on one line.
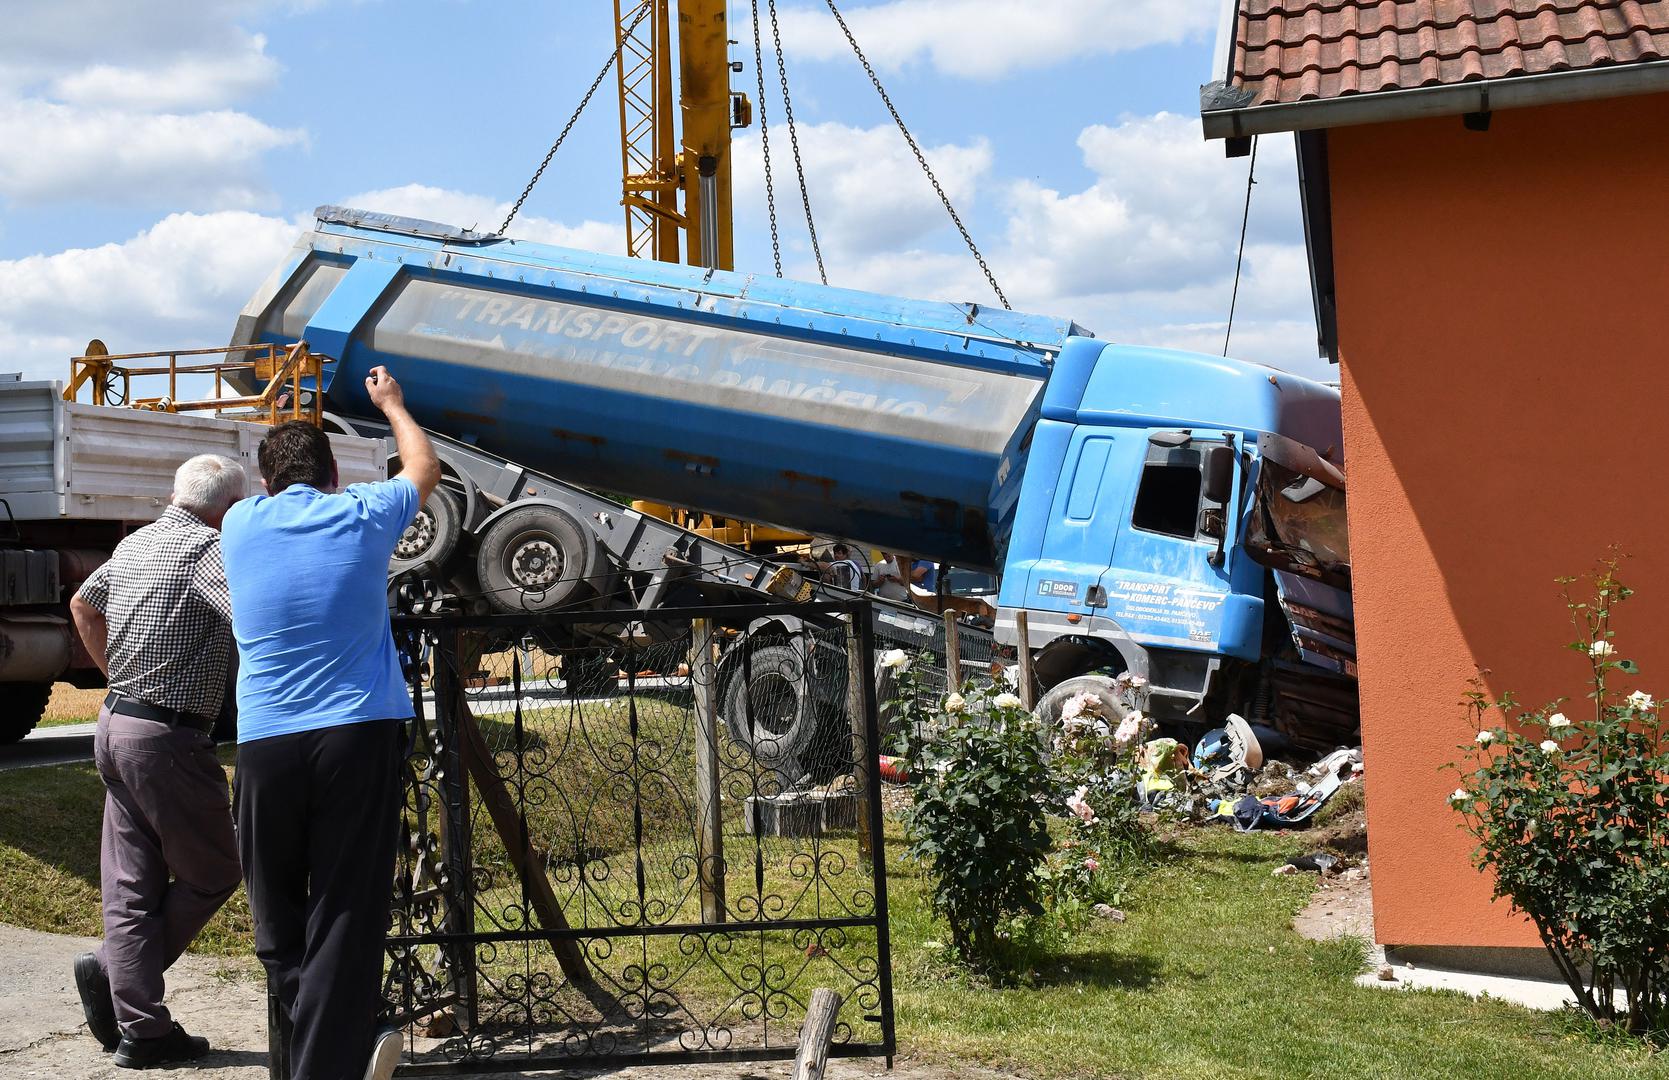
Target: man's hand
[[385, 393]]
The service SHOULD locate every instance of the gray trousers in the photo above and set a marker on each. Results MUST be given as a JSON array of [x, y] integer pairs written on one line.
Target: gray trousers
[[166, 812]]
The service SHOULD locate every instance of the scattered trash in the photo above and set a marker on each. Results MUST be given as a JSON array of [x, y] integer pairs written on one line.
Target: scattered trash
[[1316, 862], [1284, 868], [1387, 974], [1108, 911]]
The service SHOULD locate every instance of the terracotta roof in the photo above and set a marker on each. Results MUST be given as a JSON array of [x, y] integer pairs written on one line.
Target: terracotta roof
[[1307, 50]]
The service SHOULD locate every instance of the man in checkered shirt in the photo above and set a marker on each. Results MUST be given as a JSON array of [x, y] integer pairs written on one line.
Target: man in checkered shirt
[[157, 619]]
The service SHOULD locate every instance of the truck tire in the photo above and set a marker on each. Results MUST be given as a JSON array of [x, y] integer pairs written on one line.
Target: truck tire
[[797, 718], [25, 703], [1048, 709], [535, 558], [433, 534]]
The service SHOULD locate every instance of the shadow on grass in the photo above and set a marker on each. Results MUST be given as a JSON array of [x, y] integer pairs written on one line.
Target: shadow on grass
[[52, 815], [1102, 969]]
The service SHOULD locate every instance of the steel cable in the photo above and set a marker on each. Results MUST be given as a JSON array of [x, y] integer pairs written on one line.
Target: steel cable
[[794, 141], [765, 142]]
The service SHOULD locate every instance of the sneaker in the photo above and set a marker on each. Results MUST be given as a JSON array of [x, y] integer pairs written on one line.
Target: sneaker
[[385, 1054], [94, 987], [162, 1050]]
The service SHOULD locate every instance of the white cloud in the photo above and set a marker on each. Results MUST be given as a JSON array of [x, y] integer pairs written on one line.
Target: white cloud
[[56, 152], [985, 39], [185, 83], [867, 190], [486, 214], [178, 284], [1143, 253]]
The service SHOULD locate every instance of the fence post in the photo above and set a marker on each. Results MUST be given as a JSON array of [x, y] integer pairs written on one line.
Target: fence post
[[704, 676], [953, 653], [858, 670], [1023, 645]]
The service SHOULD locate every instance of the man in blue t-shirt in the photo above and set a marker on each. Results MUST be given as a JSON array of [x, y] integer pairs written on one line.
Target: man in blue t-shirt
[[321, 710]]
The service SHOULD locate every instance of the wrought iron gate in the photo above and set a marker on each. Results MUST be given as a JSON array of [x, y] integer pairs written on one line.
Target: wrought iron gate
[[639, 837]]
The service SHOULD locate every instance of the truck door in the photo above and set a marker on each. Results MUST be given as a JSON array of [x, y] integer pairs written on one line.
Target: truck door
[[1084, 519], [1160, 585]]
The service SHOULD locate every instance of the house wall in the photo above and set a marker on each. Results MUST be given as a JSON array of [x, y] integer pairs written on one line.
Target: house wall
[[1503, 315]]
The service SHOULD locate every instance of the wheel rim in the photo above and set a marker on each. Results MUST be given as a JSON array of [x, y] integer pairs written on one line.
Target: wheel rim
[[534, 562], [773, 705], [418, 537]]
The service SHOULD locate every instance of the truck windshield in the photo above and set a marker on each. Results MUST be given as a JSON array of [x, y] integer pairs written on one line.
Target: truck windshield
[[1299, 525]]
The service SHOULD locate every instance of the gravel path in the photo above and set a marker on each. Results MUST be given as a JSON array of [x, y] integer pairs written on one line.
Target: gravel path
[[42, 1036]]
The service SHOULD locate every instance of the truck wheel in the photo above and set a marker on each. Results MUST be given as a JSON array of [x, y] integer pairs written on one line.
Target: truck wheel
[[535, 558], [25, 702], [788, 716], [1049, 707], [433, 534]]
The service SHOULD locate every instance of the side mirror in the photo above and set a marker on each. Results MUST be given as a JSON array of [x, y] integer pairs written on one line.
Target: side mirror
[[1219, 474]]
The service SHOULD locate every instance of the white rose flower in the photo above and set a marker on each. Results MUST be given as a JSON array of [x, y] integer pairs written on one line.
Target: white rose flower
[[1006, 701], [895, 659], [1461, 795], [954, 703], [1558, 720], [1486, 737], [1549, 746], [1641, 700], [1601, 649]]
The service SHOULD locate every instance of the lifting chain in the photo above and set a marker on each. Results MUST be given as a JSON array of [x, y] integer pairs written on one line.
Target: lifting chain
[[875, 80], [765, 142], [569, 126], [794, 141]]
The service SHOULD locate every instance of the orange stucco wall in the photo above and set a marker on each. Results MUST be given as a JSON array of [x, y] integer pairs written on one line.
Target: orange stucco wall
[[1503, 309]]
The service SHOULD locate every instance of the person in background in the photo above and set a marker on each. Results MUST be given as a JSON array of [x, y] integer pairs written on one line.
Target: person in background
[[156, 619], [322, 703], [887, 580], [840, 569], [924, 575]]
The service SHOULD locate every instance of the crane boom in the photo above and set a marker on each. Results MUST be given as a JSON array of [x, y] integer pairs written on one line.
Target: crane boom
[[659, 164]]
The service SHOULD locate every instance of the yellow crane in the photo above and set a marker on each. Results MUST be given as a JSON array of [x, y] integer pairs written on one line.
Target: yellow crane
[[676, 178]]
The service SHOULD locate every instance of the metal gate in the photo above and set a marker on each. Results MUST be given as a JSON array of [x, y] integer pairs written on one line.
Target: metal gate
[[635, 837]]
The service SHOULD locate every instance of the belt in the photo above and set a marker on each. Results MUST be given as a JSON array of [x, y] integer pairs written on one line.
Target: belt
[[116, 702]]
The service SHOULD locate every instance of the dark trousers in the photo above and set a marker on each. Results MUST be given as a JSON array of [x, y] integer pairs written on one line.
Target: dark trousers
[[165, 813], [318, 817]]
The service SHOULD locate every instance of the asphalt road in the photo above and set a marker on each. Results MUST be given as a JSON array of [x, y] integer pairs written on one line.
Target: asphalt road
[[50, 746]]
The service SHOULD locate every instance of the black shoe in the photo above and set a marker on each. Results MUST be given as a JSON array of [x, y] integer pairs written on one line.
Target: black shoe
[[94, 987], [162, 1050]]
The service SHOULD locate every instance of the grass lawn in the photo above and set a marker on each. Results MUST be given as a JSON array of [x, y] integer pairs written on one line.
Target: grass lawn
[[1206, 978]]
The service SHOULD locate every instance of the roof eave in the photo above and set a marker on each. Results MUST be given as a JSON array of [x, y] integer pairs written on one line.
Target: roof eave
[[1225, 116]]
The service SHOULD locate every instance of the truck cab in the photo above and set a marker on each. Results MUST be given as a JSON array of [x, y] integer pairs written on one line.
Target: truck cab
[[1182, 520]]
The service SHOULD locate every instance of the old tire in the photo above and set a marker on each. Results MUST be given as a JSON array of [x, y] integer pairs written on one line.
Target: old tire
[[786, 712], [536, 558], [433, 534], [25, 703]]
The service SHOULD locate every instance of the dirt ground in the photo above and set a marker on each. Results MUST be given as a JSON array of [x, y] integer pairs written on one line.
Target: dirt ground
[[42, 1036], [1343, 904]]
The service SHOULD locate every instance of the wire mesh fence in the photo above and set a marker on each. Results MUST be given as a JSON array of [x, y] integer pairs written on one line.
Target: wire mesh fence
[[646, 840]]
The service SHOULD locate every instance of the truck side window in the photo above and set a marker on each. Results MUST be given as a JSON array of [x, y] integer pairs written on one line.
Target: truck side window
[[1169, 500]]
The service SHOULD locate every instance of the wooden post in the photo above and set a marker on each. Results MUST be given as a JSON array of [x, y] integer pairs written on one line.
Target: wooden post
[[953, 654], [1023, 645], [856, 672], [528, 861], [816, 1036], [708, 811]]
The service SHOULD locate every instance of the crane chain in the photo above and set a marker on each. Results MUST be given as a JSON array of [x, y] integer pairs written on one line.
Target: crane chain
[[569, 126], [921, 158], [765, 143], [794, 141]]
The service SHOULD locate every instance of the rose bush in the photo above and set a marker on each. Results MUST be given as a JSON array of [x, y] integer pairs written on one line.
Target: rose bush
[[1570, 816]]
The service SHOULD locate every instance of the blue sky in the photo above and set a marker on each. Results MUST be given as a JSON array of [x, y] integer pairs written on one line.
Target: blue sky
[[157, 160]]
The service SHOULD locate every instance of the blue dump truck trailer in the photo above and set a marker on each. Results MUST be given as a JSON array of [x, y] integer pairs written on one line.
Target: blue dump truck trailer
[[1176, 516]]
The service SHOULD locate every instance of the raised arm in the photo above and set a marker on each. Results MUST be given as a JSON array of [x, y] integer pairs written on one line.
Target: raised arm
[[418, 462]]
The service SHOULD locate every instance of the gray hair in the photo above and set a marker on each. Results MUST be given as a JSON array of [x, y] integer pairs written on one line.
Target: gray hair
[[208, 484]]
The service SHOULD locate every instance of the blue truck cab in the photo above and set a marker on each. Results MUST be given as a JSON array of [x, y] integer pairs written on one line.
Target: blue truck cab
[[1182, 519]]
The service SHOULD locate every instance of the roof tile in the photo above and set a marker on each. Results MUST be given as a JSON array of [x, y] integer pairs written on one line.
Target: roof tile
[[1301, 50]]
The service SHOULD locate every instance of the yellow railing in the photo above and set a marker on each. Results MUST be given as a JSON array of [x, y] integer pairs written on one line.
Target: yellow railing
[[279, 369]]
